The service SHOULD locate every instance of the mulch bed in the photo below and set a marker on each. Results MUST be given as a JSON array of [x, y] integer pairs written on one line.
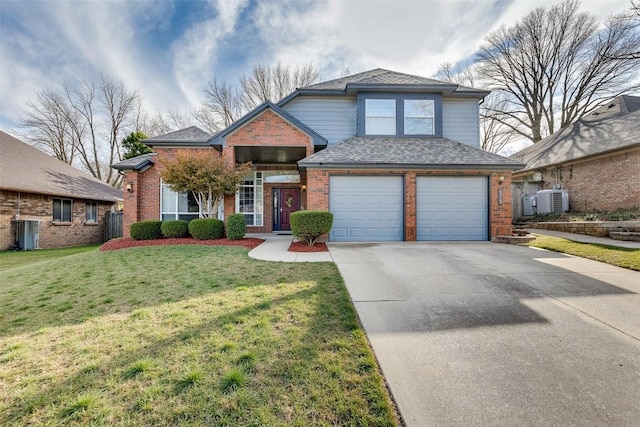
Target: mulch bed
[[303, 247], [127, 242]]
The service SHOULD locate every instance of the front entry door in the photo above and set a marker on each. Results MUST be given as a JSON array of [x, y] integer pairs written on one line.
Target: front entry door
[[285, 201]]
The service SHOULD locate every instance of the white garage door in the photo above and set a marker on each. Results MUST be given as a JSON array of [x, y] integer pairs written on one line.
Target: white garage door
[[366, 208], [452, 208]]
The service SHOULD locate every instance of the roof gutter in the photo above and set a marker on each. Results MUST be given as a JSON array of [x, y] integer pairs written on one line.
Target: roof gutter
[[414, 166]]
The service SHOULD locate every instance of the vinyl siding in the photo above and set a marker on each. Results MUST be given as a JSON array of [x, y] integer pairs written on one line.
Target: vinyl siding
[[460, 120], [333, 118]]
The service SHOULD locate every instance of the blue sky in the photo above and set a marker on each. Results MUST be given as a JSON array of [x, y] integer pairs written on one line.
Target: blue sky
[[169, 50]]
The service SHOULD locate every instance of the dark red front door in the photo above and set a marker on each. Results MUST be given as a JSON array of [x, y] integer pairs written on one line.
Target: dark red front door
[[286, 200]]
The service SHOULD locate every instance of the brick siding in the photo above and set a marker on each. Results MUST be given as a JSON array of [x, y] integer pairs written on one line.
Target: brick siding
[[143, 202], [604, 184], [52, 235], [269, 129]]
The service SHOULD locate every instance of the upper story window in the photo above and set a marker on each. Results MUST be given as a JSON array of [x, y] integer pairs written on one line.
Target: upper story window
[[91, 210], [380, 116], [399, 114], [419, 117], [62, 210]]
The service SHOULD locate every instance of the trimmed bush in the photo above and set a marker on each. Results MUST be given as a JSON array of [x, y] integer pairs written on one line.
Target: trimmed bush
[[236, 227], [175, 228], [309, 225], [146, 230], [206, 228]]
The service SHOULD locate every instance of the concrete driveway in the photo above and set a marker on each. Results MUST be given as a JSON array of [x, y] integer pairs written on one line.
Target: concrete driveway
[[491, 334]]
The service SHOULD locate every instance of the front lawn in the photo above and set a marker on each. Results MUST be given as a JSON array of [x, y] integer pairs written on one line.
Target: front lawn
[[183, 335], [621, 257], [11, 259]]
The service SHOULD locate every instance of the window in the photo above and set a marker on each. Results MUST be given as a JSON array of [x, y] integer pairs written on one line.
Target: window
[[380, 116], [249, 199], [62, 210], [91, 210], [177, 205], [418, 117]]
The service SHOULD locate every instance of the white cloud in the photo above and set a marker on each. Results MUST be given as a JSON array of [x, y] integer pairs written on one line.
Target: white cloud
[[42, 43], [195, 52]]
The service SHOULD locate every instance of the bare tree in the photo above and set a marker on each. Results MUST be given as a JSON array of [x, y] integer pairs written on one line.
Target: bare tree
[[633, 19], [448, 73], [46, 120], [224, 101], [227, 102], [84, 124], [556, 65], [494, 136], [119, 105]]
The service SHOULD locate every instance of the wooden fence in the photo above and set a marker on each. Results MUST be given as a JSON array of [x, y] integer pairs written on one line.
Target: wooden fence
[[112, 225]]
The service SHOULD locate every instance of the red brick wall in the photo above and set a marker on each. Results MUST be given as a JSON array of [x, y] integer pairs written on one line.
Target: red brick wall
[[268, 129], [143, 202], [499, 214], [52, 235], [603, 184]]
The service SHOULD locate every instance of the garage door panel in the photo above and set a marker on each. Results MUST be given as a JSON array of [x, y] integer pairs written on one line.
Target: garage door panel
[[452, 208], [370, 207]]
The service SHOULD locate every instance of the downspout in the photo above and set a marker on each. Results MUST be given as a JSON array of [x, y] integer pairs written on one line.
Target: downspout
[[19, 202]]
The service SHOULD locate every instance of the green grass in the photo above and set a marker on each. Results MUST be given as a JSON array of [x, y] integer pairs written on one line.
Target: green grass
[[12, 259], [183, 335], [621, 257]]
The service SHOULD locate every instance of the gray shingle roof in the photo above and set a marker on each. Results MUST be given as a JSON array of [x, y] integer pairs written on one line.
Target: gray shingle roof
[[135, 163], [191, 134], [609, 128], [376, 76], [27, 169], [382, 77], [425, 153]]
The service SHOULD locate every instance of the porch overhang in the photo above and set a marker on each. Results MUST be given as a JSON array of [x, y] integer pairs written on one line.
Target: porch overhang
[[270, 155]]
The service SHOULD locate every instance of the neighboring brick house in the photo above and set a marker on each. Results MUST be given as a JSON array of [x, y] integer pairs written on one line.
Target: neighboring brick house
[[393, 156], [597, 159], [58, 204]]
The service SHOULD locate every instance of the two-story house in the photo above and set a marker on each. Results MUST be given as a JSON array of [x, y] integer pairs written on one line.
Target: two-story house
[[393, 156]]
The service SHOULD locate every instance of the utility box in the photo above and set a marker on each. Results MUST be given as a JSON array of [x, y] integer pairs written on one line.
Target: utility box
[[27, 234], [549, 201], [529, 205]]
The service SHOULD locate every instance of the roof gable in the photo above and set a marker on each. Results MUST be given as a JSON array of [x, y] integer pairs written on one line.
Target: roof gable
[[27, 169], [218, 139], [607, 129]]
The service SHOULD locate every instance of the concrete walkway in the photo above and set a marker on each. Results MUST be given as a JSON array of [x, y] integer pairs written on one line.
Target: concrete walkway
[[275, 248], [583, 238]]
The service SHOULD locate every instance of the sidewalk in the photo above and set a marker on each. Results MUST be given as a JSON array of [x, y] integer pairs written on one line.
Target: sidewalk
[[583, 238], [275, 248]]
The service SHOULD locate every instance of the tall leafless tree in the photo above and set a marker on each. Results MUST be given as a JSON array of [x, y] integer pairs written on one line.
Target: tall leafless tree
[[82, 124], [556, 65], [228, 101], [46, 120]]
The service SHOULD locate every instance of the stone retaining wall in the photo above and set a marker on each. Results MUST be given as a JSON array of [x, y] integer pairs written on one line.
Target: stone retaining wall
[[590, 228]]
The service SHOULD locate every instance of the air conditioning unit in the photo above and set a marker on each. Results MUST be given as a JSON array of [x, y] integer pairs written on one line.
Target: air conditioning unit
[[552, 201], [27, 234]]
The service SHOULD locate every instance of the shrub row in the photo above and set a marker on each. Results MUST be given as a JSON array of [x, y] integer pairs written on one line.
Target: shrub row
[[201, 228]]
